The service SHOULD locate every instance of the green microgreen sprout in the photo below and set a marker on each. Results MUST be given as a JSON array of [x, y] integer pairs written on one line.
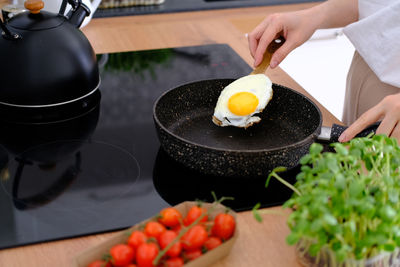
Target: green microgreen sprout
[[346, 203], [257, 213]]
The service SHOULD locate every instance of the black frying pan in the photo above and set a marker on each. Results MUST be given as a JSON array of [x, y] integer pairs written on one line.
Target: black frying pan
[[289, 125]]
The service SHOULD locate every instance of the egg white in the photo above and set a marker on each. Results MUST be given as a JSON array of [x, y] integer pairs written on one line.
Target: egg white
[[258, 84]]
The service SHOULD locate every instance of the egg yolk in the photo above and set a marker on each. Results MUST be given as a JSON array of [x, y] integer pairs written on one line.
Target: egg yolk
[[243, 103]]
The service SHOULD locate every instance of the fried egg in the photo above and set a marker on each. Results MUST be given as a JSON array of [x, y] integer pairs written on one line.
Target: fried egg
[[241, 99]]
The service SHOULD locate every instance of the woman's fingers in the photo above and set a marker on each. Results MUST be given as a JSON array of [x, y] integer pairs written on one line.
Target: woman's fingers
[[281, 53], [255, 35], [387, 125], [268, 36], [396, 132], [388, 110], [299, 25], [253, 38], [366, 119], [252, 44]]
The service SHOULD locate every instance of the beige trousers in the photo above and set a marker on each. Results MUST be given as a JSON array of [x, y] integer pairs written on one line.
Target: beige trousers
[[363, 90]]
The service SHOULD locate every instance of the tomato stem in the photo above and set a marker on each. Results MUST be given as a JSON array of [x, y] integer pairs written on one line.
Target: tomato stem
[[106, 257], [187, 228]]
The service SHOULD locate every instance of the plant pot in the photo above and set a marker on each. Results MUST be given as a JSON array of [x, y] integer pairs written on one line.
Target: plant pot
[[326, 258]]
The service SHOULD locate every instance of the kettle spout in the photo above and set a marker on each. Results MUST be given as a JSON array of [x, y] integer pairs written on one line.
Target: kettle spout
[[78, 15]]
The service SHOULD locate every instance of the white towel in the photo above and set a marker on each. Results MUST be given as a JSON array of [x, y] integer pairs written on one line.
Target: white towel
[[376, 36]]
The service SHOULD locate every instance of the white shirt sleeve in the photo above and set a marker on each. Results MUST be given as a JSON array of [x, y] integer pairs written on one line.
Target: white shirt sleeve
[[377, 40]]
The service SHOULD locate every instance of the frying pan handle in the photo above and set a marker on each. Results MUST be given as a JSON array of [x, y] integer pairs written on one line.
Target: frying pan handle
[[337, 130]]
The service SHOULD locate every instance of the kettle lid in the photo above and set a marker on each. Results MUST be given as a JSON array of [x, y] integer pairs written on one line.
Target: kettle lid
[[35, 19]]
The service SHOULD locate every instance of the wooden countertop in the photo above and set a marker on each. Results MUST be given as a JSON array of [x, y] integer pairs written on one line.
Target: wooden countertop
[[259, 244]]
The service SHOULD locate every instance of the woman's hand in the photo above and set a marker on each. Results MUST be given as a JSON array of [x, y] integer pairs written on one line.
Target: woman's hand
[[296, 27], [388, 111]]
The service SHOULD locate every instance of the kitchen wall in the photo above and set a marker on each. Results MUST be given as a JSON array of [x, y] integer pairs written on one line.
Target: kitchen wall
[[320, 66]]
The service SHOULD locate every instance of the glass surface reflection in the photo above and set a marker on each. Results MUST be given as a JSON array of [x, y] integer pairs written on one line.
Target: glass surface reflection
[[186, 184], [96, 174], [41, 147]]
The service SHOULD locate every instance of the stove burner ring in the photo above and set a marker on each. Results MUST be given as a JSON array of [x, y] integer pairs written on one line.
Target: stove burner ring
[[72, 183]]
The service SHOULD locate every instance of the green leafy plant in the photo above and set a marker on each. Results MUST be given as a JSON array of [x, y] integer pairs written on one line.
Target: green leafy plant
[[346, 204], [137, 61]]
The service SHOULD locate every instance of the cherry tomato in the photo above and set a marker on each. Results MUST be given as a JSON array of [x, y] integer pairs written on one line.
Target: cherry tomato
[[145, 254], [154, 229], [194, 213], [170, 217], [174, 262], [121, 255], [177, 228], [194, 238], [166, 238], [100, 263], [136, 238], [131, 265], [192, 254], [224, 226], [212, 242]]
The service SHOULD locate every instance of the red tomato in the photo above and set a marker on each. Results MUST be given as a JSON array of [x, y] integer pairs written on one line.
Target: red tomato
[[177, 228], [192, 254], [131, 265], [154, 229], [100, 263], [145, 254], [174, 262], [194, 238], [224, 226], [136, 238], [194, 213], [166, 238], [170, 217], [121, 255], [212, 242]]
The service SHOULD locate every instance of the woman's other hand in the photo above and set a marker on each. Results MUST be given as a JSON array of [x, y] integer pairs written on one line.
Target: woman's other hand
[[388, 111]]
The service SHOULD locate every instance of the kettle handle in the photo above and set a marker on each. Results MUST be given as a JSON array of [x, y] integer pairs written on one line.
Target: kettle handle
[[78, 12], [7, 34], [73, 3], [63, 7]]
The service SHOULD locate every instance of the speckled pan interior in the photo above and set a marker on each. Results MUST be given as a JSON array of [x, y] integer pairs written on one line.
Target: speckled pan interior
[[183, 118]]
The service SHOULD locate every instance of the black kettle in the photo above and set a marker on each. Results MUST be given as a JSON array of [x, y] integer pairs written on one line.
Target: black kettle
[[48, 65]]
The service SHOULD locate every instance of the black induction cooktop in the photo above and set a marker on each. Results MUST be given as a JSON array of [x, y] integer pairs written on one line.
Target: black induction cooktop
[[104, 170]]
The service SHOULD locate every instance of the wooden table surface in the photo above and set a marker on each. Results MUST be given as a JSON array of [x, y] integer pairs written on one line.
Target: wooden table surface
[[259, 244]]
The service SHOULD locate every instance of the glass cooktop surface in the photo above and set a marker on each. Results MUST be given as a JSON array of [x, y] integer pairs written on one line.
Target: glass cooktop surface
[[104, 170]]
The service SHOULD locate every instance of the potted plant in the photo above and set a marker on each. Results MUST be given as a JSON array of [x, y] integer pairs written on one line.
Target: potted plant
[[346, 204]]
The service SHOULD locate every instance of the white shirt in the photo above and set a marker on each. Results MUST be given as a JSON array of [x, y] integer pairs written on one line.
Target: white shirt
[[376, 37]]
